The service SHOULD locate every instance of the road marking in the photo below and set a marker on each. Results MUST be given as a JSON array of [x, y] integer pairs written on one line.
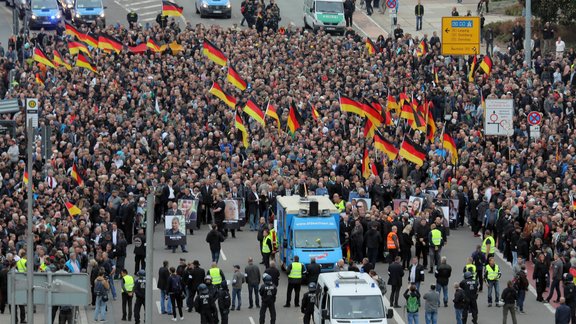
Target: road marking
[[83, 316], [223, 255], [148, 19], [159, 308], [251, 320], [147, 7], [155, 283], [140, 2], [530, 288], [148, 13], [377, 25], [397, 316], [362, 30]]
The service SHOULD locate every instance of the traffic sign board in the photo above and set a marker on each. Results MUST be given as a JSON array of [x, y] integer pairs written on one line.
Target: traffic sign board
[[534, 118], [391, 4], [499, 117], [460, 35]]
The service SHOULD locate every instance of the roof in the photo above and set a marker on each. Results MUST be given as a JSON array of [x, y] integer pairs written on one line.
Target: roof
[[293, 204], [349, 282]]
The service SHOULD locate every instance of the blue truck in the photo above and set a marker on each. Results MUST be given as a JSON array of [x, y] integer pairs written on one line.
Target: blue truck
[[308, 227]]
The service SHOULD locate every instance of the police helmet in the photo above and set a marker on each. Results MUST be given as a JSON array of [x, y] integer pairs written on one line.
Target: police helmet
[[267, 278], [208, 278], [468, 275], [312, 286], [203, 288], [569, 277], [224, 285], [141, 273]]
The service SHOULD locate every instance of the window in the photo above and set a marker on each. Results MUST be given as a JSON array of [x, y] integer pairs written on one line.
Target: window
[[329, 6], [44, 4], [316, 239], [89, 4], [357, 307]]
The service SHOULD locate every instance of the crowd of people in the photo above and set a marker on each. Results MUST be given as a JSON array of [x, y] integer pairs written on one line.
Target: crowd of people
[[145, 123]]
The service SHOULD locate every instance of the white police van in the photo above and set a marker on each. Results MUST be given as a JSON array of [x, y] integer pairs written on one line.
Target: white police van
[[349, 297]]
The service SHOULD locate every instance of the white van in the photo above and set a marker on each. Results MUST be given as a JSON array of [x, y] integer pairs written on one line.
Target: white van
[[349, 297], [326, 14]]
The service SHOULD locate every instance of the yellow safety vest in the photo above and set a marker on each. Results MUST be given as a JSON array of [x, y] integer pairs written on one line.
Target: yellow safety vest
[[473, 271], [265, 247], [436, 237], [128, 283], [492, 243], [492, 274], [21, 265], [216, 277], [296, 272], [341, 205]]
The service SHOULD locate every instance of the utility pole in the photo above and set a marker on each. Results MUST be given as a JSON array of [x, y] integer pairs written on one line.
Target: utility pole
[[29, 241], [148, 303], [528, 34]]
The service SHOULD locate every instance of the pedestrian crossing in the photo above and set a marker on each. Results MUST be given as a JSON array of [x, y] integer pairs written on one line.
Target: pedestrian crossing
[[147, 10]]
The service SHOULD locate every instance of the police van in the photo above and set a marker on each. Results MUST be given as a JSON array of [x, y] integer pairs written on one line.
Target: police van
[[326, 14], [349, 297]]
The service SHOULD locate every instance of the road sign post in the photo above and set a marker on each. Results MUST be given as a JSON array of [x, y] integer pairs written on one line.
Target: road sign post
[[32, 111], [534, 120], [460, 35]]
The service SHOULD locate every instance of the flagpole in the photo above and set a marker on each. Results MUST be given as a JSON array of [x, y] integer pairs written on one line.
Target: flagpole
[[442, 140]]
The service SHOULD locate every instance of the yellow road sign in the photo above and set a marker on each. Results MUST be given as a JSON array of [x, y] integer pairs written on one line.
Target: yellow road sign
[[460, 35]]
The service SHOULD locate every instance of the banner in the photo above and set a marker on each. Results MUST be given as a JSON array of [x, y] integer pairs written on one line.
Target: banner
[[234, 213], [174, 226], [415, 204], [189, 208]]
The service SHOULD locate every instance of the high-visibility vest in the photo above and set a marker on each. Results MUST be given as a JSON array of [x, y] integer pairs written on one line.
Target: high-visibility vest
[[216, 277], [436, 237], [21, 265], [572, 271], [492, 243], [472, 268], [390, 241], [274, 238], [265, 247], [296, 272], [341, 205], [42, 267], [492, 274], [128, 283]]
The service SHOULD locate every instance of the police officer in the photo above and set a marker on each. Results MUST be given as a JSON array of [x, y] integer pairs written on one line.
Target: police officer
[[470, 287], [132, 18], [295, 271], [268, 295], [436, 242], [250, 13], [570, 295], [308, 301], [267, 247], [224, 302], [140, 293], [162, 20], [205, 305], [127, 294], [213, 292], [139, 241]]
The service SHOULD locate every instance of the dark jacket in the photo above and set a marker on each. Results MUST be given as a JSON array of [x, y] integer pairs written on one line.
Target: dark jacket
[[540, 271], [163, 276], [419, 277], [460, 301], [562, 315], [214, 238], [372, 239], [252, 274], [419, 10], [175, 285], [313, 270], [509, 296], [395, 274], [198, 275], [275, 274], [443, 273]]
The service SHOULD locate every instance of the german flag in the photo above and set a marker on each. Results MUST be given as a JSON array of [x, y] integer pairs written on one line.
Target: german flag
[[106, 42], [352, 106], [77, 47], [72, 31], [239, 124], [450, 146], [403, 98], [171, 9], [271, 112], [235, 78], [392, 103], [370, 46], [155, 46], [436, 75], [218, 92], [472, 70], [486, 65], [58, 61], [422, 49], [213, 53], [72, 209], [374, 169], [141, 48], [90, 38], [294, 120], [315, 113], [430, 125], [76, 176], [419, 122], [412, 152], [369, 129], [348, 255], [372, 114], [252, 110], [84, 62], [366, 172], [175, 48], [384, 146], [40, 57], [39, 79], [407, 111]]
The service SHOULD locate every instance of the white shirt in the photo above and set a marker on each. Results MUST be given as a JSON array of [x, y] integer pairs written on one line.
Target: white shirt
[[51, 181], [412, 273], [114, 237], [560, 46]]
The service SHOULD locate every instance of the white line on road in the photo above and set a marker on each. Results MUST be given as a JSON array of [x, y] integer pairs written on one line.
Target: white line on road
[[148, 19], [223, 255], [377, 25], [362, 30], [140, 2], [83, 316], [251, 320], [155, 284], [149, 13], [146, 7], [159, 309], [397, 316]]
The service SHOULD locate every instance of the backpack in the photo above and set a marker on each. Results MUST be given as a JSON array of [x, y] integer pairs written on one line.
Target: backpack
[[382, 286], [176, 285], [412, 304], [99, 289]]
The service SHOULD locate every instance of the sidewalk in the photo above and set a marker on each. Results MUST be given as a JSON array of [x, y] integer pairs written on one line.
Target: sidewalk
[[434, 10]]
